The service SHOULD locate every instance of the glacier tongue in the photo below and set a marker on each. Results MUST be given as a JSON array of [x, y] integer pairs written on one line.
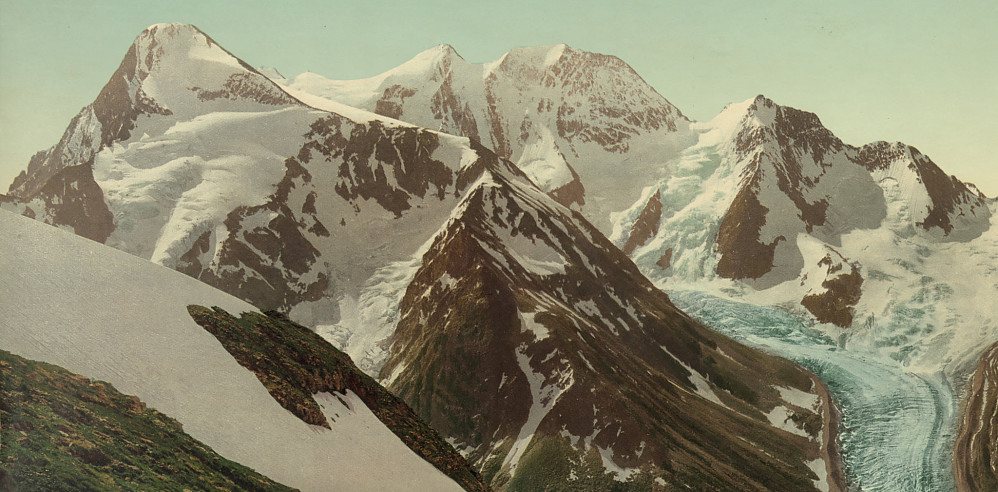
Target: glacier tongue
[[896, 431]]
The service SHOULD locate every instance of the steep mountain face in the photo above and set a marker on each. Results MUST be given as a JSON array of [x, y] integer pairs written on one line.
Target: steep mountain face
[[114, 317], [538, 348], [63, 431], [769, 196], [569, 119], [160, 80], [975, 459]]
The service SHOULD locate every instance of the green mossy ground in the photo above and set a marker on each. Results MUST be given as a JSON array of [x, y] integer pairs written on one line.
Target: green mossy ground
[[65, 432]]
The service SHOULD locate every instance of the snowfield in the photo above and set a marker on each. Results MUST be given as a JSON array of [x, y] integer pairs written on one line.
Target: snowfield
[[108, 315]]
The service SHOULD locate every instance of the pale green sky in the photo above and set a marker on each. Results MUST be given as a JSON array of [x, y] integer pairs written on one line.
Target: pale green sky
[[925, 73]]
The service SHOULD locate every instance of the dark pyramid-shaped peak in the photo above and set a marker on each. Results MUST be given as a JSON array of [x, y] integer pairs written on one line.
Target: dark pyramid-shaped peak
[[526, 337]]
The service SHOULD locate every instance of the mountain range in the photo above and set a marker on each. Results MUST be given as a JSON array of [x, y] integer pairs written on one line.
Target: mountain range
[[494, 243]]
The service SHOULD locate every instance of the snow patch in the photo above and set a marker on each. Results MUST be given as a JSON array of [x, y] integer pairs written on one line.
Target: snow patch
[[543, 395]]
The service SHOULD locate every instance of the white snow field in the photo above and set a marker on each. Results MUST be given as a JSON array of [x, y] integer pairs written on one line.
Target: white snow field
[[112, 316]]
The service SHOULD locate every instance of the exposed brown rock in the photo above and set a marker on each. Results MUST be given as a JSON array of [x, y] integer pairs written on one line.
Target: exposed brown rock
[[945, 192], [500, 141], [742, 254], [272, 274], [391, 101], [572, 193], [72, 198], [117, 108], [843, 292], [370, 152], [975, 454], [666, 260], [646, 225], [190, 262], [246, 85], [447, 107]]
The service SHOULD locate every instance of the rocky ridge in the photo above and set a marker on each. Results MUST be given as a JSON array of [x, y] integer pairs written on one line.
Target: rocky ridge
[[577, 371]]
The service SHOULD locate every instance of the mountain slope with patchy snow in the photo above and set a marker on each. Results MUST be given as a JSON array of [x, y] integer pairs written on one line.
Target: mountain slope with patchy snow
[[531, 341]]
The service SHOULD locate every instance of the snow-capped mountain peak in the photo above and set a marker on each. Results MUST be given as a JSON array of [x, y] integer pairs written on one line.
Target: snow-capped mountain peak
[[180, 67], [600, 129]]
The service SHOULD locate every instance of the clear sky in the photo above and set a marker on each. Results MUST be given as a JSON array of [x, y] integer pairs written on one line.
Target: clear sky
[[921, 72]]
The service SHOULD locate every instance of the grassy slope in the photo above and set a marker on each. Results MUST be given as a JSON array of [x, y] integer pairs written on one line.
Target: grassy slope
[[62, 431]]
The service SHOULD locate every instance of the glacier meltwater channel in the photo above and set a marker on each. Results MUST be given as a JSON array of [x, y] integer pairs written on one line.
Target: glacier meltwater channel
[[897, 426]]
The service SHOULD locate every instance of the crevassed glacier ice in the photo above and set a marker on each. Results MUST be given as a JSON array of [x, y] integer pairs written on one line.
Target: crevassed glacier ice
[[897, 425]]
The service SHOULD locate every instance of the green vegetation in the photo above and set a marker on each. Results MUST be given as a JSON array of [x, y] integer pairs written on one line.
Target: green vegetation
[[294, 363], [65, 432], [551, 463]]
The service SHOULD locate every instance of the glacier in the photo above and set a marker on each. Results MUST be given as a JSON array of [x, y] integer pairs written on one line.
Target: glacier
[[897, 425]]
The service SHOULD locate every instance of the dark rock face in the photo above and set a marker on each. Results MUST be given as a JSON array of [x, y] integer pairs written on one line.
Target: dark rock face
[[556, 334], [60, 180], [268, 266], [577, 73], [370, 152], [665, 261], [294, 363], [773, 151], [975, 456], [69, 198], [600, 102], [646, 226], [110, 118], [270, 255], [571, 194], [249, 86], [117, 107], [798, 178], [843, 291], [743, 256]]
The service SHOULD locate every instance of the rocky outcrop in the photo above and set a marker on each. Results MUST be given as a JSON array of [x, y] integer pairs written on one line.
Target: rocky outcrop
[[743, 255], [294, 363], [766, 180], [646, 226], [975, 455], [58, 185], [842, 291], [69, 198]]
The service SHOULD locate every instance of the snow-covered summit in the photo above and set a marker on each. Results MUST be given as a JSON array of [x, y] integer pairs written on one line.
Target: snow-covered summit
[[773, 201], [589, 115]]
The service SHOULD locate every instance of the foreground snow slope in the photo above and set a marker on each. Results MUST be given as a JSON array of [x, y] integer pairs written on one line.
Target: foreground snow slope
[[109, 315]]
